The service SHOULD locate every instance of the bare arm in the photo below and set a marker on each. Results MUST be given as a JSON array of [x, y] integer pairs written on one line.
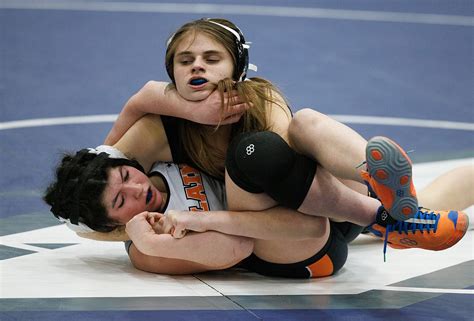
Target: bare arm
[[210, 249], [206, 256], [163, 265], [146, 142], [157, 98], [277, 223], [279, 116]]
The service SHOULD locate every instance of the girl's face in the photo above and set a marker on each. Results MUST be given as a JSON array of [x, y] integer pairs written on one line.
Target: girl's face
[[129, 192], [199, 63]]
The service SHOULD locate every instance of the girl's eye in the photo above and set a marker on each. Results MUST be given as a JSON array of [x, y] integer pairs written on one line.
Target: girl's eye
[[212, 59], [122, 202]]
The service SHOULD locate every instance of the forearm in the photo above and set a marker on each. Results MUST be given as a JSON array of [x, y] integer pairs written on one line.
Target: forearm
[[153, 98], [209, 248], [274, 223], [155, 264], [157, 98]]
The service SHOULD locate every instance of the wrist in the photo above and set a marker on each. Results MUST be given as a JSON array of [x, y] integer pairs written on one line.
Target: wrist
[[212, 221]]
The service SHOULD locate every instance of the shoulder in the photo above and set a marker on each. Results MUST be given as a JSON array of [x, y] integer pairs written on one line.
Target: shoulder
[[278, 114]]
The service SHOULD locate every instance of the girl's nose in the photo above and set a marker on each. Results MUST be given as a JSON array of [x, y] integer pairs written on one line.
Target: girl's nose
[[198, 64], [135, 189]]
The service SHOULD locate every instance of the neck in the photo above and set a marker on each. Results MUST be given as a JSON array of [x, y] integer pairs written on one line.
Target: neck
[[160, 185]]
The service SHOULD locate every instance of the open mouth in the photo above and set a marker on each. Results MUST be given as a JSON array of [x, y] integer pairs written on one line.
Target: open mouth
[[149, 195], [198, 81]]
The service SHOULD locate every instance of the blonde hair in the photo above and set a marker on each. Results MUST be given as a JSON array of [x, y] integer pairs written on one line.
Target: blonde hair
[[199, 140]]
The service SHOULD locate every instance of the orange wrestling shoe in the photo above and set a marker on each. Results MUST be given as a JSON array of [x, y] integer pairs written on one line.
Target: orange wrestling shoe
[[429, 230], [389, 175]]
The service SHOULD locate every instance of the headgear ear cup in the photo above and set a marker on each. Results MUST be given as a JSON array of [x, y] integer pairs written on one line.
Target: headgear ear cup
[[240, 71]]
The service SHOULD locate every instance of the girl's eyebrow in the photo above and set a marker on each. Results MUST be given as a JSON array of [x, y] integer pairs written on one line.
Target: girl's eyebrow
[[116, 196], [207, 52]]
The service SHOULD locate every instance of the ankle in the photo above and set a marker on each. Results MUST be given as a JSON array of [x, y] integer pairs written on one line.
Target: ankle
[[383, 218]]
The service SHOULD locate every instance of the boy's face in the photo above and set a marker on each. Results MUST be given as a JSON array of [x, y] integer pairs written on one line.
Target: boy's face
[[199, 63], [129, 192]]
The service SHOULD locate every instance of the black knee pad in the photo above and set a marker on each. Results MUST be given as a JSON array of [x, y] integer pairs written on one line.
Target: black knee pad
[[262, 162]]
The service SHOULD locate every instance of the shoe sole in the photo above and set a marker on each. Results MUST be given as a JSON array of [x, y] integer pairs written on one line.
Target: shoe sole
[[390, 166]]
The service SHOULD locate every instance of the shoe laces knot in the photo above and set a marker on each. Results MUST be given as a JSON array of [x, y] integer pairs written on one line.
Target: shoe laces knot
[[424, 220]]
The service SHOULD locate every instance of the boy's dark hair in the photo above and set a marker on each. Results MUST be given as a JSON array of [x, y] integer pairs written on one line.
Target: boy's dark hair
[[76, 193]]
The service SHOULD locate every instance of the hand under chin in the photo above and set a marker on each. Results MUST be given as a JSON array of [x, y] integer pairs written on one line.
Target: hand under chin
[[198, 95]]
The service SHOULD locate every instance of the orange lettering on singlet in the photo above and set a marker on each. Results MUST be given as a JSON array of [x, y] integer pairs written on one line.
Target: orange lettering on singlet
[[193, 187]]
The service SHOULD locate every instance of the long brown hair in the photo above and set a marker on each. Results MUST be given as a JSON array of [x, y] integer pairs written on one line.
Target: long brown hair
[[199, 140]]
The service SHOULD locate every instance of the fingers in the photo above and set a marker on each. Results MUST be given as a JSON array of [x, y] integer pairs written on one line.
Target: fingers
[[234, 113], [139, 217], [232, 119], [233, 99], [153, 217], [178, 234], [168, 224], [239, 108], [158, 226]]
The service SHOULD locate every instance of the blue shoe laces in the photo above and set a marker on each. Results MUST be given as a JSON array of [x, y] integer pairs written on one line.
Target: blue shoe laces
[[421, 222]]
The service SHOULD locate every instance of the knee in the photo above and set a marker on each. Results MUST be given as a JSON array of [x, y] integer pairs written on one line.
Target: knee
[[245, 249], [254, 160], [263, 162], [305, 118]]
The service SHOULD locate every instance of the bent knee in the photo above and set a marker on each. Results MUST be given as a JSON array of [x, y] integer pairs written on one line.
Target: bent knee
[[306, 117], [245, 248], [241, 250]]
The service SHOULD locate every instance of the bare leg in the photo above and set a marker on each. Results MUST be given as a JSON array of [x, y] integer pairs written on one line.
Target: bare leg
[[452, 190], [329, 197], [291, 251], [335, 146]]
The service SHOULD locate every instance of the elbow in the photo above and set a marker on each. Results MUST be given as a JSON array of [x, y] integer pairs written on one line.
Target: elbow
[[139, 260], [240, 251]]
